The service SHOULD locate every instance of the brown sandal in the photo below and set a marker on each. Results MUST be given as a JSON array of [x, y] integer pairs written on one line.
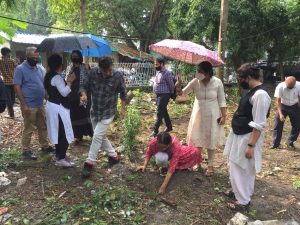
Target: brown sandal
[[229, 194], [238, 207]]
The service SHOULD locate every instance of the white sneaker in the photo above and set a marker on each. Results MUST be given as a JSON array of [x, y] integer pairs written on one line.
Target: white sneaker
[[69, 160], [63, 163]]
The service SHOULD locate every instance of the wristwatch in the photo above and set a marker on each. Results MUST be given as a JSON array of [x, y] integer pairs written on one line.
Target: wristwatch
[[250, 145]]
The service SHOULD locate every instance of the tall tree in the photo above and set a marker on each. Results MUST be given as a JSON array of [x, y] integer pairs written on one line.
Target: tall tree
[[144, 20]]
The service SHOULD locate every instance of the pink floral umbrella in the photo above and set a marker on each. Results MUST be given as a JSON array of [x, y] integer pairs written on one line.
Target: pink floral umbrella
[[186, 51]]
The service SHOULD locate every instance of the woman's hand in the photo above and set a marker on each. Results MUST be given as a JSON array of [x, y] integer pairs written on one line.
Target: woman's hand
[[222, 120], [141, 168], [83, 98], [162, 189], [71, 78]]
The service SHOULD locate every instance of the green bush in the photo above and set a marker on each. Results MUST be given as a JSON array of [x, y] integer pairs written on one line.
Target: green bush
[[131, 127]]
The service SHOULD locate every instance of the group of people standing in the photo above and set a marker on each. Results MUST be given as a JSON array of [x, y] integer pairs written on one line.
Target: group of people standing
[[206, 131], [70, 96], [83, 102]]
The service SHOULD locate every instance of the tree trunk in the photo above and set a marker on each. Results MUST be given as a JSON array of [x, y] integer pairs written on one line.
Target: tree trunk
[[280, 67], [222, 34], [82, 14]]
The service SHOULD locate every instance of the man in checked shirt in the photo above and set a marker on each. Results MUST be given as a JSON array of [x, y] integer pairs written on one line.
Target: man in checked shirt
[[163, 88], [7, 68], [105, 85]]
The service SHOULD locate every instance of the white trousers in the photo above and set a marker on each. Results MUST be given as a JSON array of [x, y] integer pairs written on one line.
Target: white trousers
[[100, 140], [242, 181]]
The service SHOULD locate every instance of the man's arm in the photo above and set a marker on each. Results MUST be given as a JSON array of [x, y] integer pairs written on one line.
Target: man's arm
[[18, 91], [18, 80], [279, 108]]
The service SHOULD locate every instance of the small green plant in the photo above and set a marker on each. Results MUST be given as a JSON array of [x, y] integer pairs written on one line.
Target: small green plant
[[137, 94], [253, 212], [9, 158], [234, 94], [88, 183], [296, 184], [131, 127]]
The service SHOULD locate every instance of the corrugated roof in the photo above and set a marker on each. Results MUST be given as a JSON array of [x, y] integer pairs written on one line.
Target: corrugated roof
[[35, 39], [132, 53]]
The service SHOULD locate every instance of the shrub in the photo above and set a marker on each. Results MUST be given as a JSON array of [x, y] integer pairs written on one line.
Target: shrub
[[131, 127]]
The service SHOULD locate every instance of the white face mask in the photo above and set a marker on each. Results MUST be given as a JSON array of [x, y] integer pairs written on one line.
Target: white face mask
[[199, 76]]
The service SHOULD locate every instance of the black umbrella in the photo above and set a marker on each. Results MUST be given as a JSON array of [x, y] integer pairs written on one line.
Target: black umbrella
[[63, 43]]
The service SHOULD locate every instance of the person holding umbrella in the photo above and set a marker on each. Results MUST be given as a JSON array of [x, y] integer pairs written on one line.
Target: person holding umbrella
[[80, 115], [206, 126]]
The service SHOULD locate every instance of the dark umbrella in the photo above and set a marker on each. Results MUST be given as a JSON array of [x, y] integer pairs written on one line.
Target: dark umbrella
[[63, 43]]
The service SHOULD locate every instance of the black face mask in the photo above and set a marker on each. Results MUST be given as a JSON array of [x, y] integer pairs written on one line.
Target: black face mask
[[32, 62], [244, 85], [76, 60], [158, 68]]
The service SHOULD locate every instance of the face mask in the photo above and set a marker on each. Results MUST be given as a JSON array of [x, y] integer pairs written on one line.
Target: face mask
[[32, 62], [199, 76], [158, 68], [244, 85], [76, 60]]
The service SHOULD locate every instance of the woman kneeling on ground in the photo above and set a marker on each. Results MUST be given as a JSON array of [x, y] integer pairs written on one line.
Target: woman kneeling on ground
[[167, 148], [59, 125]]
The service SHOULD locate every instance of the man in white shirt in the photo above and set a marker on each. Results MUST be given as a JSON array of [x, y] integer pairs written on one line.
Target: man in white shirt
[[287, 100]]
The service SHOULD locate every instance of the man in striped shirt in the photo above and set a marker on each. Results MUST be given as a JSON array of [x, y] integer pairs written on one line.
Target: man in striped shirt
[[163, 88], [7, 68]]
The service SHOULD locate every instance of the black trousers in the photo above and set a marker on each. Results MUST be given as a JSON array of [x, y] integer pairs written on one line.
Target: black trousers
[[162, 101], [62, 146], [10, 99], [293, 112]]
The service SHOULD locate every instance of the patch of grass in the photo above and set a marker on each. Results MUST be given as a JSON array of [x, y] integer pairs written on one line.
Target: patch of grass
[[88, 183], [10, 158], [66, 178], [107, 206], [132, 177], [9, 202], [253, 212], [296, 184]]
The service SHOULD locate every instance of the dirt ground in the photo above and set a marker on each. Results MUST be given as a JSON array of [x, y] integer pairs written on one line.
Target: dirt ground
[[50, 192]]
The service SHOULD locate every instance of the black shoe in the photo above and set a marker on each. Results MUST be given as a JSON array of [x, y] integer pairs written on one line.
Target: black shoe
[[113, 160], [29, 155], [48, 150], [275, 147], [291, 146], [168, 129], [87, 170]]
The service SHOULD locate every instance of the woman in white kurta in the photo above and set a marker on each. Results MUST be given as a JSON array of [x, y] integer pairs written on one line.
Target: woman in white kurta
[[245, 151], [59, 125], [206, 126]]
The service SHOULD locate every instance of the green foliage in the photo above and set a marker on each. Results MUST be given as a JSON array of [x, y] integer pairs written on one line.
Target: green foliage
[[248, 21], [296, 184], [107, 206], [9, 158], [146, 20], [131, 127]]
